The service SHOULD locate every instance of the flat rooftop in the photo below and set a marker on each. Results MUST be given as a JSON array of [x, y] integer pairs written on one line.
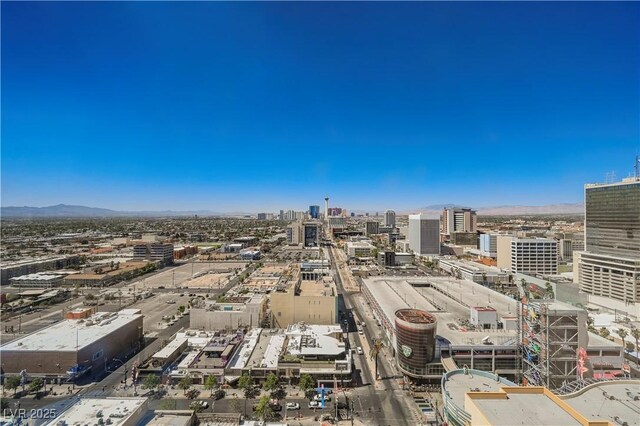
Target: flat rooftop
[[457, 385], [524, 409], [596, 403], [448, 300], [120, 411], [317, 288], [69, 335]]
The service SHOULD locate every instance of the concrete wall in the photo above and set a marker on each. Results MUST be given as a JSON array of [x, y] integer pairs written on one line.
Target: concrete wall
[[286, 309], [503, 251]]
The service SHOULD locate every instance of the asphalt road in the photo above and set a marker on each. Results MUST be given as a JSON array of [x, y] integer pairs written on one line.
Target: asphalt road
[[103, 385], [385, 406]]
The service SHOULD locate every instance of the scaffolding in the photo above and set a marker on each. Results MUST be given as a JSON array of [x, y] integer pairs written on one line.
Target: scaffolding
[[551, 337]]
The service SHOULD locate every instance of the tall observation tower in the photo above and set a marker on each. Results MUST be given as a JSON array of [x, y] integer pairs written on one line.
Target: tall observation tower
[[326, 209]]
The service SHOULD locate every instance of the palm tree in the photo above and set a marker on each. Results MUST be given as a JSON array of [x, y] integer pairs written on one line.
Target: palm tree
[[636, 335], [376, 347], [622, 333]]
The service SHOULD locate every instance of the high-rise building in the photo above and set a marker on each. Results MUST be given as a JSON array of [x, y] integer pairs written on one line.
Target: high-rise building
[[423, 235], [503, 251], [609, 268], [458, 220], [533, 256], [489, 245], [262, 216], [390, 218], [371, 227], [314, 212]]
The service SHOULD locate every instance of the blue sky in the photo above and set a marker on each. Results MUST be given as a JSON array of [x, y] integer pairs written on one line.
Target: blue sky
[[262, 106]]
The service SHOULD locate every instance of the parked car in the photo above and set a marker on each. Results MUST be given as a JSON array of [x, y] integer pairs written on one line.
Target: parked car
[[318, 397], [219, 394], [293, 406], [314, 404], [359, 350]]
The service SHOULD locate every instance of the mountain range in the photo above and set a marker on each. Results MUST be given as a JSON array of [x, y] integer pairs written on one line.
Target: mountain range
[[63, 210], [507, 210]]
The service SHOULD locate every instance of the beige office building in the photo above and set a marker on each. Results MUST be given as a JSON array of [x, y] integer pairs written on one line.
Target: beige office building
[[503, 251], [308, 301]]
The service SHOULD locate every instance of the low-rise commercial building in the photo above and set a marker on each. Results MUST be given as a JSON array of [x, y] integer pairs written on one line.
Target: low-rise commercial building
[[317, 350], [74, 347], [154, 251], [356, 249], [250, 255], [474, 271], [39, 280], [109, 411], [24, 267], [229, 314]]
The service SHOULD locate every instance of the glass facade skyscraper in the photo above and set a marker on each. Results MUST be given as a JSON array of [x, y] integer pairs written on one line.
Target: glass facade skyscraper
[[609, 268], [314, 212]]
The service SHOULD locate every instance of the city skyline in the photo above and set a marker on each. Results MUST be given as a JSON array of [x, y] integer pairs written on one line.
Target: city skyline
[[227, 107]]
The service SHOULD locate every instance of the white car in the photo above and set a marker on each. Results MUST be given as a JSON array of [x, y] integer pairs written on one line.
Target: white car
[[293, 406], [318, 397], [314, 404], [359, 350]]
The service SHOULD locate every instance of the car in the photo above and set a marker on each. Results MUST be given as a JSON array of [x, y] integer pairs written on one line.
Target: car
[[219, 394], [361, 331], [314, 404], [161, 287], [318, 397], [293, 406], [171, 302], [359, 350]]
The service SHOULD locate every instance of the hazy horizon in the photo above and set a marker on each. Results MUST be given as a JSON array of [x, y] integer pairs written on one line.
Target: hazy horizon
[[244, 106]]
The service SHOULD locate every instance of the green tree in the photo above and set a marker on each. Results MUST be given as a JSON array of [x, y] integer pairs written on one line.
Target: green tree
[[211, 383], [264, 409], [604, 332], [150, 381], [306, 382], [90, 296], [246, 384], [36, 385], [12, 383], [181, 309], [636, 335], [185, 383], [271, 383]]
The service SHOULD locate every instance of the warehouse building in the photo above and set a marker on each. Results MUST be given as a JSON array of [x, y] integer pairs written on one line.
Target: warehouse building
[[74, 347]]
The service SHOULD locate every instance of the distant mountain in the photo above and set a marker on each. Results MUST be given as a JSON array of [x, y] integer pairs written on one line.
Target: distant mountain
[[564, 208], [63, 210]]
